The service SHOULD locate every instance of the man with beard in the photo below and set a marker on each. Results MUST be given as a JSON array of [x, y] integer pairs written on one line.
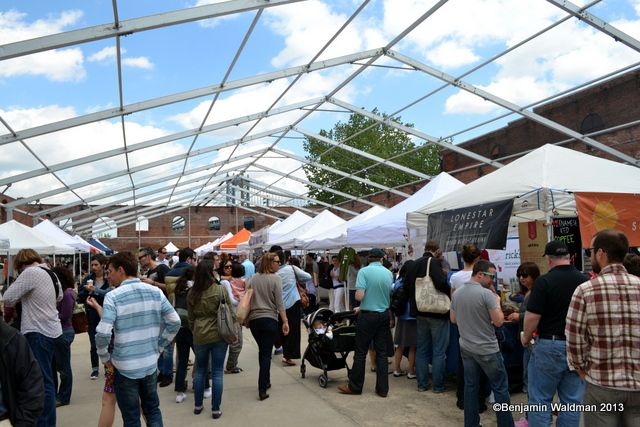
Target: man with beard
[[603, 333]]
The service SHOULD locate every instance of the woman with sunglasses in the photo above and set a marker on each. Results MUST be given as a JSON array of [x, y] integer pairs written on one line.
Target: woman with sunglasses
[[266, 304], [231, 278], [527, 274]]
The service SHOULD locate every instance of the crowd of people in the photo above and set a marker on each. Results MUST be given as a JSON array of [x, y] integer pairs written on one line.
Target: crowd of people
[[579, 333]]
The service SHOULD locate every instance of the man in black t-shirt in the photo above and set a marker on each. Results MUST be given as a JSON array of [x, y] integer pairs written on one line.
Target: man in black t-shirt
[[548, 369], [155, 272]]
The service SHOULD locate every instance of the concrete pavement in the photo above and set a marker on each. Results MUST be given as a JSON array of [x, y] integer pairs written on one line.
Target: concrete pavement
[[293, 401]]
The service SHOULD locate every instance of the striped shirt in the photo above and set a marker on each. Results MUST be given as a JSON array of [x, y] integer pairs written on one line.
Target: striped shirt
[[143, 322], [36, 291], [603, 329]]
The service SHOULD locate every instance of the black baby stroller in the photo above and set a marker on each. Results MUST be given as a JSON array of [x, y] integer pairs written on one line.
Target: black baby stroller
[[329, 354]]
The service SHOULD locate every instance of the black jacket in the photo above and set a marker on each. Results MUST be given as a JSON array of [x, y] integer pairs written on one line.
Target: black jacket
[[419, 269], [99, 294], [21, 378]]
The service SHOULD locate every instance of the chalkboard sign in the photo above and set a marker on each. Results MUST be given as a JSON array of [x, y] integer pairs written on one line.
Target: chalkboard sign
[[567, 230]]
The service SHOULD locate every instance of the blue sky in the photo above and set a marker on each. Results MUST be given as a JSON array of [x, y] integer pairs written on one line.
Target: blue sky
[[73, 81]]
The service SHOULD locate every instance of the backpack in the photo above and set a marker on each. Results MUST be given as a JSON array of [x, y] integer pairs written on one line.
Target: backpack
[[324, 276], [399, 298]]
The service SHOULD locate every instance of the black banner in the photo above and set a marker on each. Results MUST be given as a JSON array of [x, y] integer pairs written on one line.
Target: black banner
[[484, 225], [567, 230]]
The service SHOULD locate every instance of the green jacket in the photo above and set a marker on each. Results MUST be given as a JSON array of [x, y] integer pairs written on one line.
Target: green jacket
[[203, 314]]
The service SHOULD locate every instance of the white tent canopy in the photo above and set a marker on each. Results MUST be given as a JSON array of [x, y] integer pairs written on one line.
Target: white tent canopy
[[210, 246], [221, 240], [278, 231], [171, 248], [86, 246], [337, 236], [258, 238], [22, 237], [51, 230], [390, 228], [541, 183], [325, 220]]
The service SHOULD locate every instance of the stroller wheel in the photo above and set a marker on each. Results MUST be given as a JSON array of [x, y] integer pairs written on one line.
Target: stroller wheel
[[323, 380], [303, 370]]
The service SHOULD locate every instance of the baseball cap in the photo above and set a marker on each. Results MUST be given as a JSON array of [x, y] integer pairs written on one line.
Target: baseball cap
[[556, 248], [376, 253]]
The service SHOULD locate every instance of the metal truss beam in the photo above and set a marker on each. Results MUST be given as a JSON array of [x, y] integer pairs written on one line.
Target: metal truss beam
[[269, 195], [185, 96], [361, 153], [286, 193], [412, 131], [143, 167], [238, 199], [156, 141], [339, 172], [511, 106], [597, 23], [139, 196], [160, 180], [132, 26], [152, 212], [307, 182]]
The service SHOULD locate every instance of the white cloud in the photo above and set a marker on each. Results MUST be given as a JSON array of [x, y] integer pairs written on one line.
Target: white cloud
[[107, 53], [57, 65], [307, 27], [138, 62], [75, 143], [462, 32]]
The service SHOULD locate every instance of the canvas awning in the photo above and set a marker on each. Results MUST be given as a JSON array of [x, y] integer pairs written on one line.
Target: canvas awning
[[241, 237]]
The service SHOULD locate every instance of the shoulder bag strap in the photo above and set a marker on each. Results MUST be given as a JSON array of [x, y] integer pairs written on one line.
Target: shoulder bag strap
[[429, 265]]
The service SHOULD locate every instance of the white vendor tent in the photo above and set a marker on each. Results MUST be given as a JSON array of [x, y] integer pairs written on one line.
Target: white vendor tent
[[87, 247], [51, 230], [325, 220], [541, 183], [337, 236], [390, 228], [22, 237], [279, 231], [171, 248], [210, 246], [260, 237]]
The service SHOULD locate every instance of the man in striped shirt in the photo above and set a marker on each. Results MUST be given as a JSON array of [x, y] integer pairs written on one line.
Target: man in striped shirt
[[603, 330], [143, 322]]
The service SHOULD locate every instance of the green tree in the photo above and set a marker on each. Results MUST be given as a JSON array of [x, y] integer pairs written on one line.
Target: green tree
[[381, 140]]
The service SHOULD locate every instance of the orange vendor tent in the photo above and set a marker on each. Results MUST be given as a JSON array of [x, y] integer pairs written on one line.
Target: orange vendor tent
[[239, 238]]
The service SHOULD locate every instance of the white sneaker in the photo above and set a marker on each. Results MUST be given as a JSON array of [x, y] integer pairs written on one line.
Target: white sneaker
[[180, 397], [207, 393]]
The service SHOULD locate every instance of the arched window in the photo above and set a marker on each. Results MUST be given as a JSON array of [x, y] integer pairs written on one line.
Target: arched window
[[592, 123], [104, 227], [214, 223], [142, 224], [178, 223], [249, 223]]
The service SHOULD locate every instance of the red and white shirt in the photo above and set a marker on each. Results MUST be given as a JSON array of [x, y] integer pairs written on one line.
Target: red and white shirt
[[603, 329]]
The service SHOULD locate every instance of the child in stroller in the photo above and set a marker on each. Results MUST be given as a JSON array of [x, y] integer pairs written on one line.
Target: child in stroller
[[331, 338]]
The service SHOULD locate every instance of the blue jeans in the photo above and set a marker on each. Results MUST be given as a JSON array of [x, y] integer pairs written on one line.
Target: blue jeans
[[433, 340], [371, 327], [184, 343], [93, 320], [215, 352], [264, 331], [62, 359], [132, 394], [493, 367], [42, 349], [165, 362], [548, 373]]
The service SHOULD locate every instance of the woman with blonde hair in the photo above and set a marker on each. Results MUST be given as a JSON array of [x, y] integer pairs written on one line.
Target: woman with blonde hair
[[266, 304]]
